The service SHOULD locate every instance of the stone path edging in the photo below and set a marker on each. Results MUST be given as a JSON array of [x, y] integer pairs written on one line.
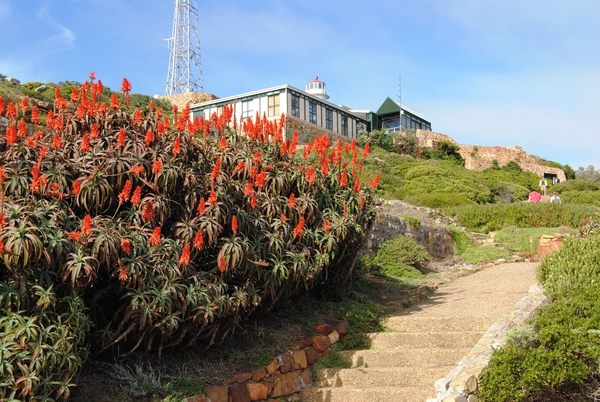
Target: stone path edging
[[461, 383]]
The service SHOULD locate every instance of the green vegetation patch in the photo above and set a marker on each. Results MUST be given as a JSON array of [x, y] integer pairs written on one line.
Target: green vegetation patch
[[467, 249], [399, 257], [518, 239]]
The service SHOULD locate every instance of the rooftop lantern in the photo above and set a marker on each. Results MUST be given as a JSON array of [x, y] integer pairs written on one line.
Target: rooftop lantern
[[317, 88]]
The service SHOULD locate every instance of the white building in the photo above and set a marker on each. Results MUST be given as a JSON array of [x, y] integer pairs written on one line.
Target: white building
[[309, 112]]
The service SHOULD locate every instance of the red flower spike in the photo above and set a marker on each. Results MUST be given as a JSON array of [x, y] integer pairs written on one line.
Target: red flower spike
[[57, 94], [185, 255], [199, 240], [293, 145], [222, 264], [126, 192], [126, 246], [137, 117], [257, 157], [367, 150], [157, 166], [249, 189], [74, 235], [86, 226], [85, 143], [177, 146], [234, 224], [239, 167], [299, 229], [121, 139], [57, 142], [212, 198], [216, 168], [375, 182], [292, 201], [261, 179], [95, 132], [326, 225], [253, 202], [344, 179], [114, 102], [125, 85], [309, 175], [356, 187], [201, 206], [35, 115], [137, 169], [74, 95], [92, 76], [11, 135], [147, 214], [2, 220], [155, 238], [223, 144], [123, 273], [149, 137], [136, 198], [76, 187]]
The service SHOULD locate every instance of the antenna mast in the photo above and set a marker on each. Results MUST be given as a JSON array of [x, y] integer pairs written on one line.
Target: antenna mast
[[184, 50]]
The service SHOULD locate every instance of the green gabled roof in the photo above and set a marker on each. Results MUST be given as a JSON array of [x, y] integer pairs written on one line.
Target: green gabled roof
[[388, 106]]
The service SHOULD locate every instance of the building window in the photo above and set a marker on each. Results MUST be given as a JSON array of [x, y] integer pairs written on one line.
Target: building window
[[295, 106], [329, 119], [345, 125], [274, 105], [247, 110], [312, 112]]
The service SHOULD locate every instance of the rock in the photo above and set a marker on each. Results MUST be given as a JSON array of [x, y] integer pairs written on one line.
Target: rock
[[311, 355], [472, 398], [286, 384], [455, 399], [239, 378], [333, 336], [307, 341], [299, 359], [273, 366], [342, 327], [258, 374], [216, 393], [306, 378], [466, 384], [259, 391], [323, 329], [239, 393], [320, 343], [196, 398], [287, 364]]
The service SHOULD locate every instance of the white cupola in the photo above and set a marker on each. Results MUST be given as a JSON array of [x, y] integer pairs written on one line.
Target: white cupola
[[317, 88]]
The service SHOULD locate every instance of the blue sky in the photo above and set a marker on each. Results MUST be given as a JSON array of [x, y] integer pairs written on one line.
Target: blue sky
[[484, 72]]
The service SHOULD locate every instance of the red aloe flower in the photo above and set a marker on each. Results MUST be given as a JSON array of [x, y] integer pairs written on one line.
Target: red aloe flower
[[299, 229], [223, 144], [222, 264], [356, 187], [212, 198], [310, 175], [147, 214], [324, 165], [375, 182], [157, 166], [74, 95], [125, 194], [1, 247], [86, 226], [76, 187], [137, 169], [292, 201], [2, 220], [121, 138], [3, 175], [35, 115], [11, 135], [326, 225], [136, 198], [239, 167], [125, 85], [137, 117], [126, 246], [114, 102], [185, 255], [74, 235], [11, 111], [284, 218], [367, 149], [95, 131], [344, 179], [249, 189], [155, 238], [57, 142], [261, 179], [177, 146], [85, 143], [284, 149], [1, 105], [123, 273], [257, 157], [199, 240], [201, 206], [234, 224], [253, 202], [216, 168], [22, 130], [151, 106], [149, 137], [293, 145], [92, 76]]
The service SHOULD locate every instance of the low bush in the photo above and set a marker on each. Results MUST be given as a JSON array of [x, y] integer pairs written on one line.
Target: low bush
[[518, 239], [400, 257], [438, 200], [576, 185], [581, 197], [484, 218], [467, 249]]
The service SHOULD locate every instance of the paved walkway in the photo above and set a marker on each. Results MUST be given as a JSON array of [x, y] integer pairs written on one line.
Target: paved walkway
[[428, 341]]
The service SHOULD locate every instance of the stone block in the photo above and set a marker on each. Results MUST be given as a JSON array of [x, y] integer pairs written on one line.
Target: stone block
[[306, 378], [333, 336], [442, 384], [217, 393], [342, 327], [320, 343], [239, 393], [323, 329], [273, 366], [287, 364], [258, 374], [239, 378], [299, 359], [259, 391], [286, 384], [466, 384], [311, 355]]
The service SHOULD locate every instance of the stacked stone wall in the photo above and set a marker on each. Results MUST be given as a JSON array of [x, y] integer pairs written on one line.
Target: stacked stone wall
[[479, 157]]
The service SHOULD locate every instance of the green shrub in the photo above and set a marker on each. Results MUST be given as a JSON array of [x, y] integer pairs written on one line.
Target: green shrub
[[576, 185], [483, 218], [438, 200], [517, 239], [581, 197], [467, 249], [399, 257]]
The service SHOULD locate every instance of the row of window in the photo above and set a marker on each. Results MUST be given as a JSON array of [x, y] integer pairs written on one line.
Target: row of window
[[312, 114]]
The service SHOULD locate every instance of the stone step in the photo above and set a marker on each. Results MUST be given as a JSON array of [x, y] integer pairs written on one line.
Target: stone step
[[406, 323], [367, 394], [450, 339], [413, 357], [380, 377]]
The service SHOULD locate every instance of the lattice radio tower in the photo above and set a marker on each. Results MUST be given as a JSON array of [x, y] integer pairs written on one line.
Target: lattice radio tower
[[184, 50]]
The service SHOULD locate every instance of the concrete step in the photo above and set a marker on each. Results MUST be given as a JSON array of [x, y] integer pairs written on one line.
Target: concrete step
[[380, 377], [413, 357], [407, 323], [367, 394], [396, 340]]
